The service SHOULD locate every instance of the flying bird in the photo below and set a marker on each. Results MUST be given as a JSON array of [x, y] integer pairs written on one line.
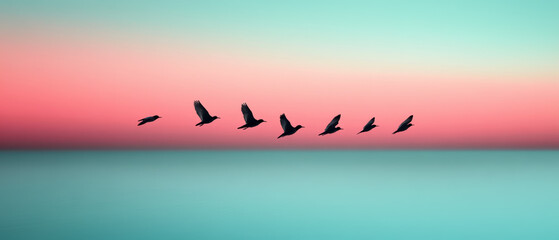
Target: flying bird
[[203, 114], [288, 129], [147, 119], [250, 121], [405, 125], [370, 125], [331, 128]]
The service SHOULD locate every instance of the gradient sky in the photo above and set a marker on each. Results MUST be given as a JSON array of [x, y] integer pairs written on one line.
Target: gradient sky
[[476, 74]]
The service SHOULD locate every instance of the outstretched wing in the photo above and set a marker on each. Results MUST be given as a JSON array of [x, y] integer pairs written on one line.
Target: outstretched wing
[[247, 114], [144, 119], [201, 111], [407, 121], [334, 122], [370, 122], [285, 124]]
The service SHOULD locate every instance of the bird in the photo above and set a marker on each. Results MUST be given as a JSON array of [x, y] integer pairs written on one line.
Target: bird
[[250, 121], [368, 126], [404, 125], [203, 114], [288, 129], [331, 128], [148, 119]]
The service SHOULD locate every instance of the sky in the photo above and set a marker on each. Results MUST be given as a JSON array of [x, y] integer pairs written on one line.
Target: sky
[[475, 74]]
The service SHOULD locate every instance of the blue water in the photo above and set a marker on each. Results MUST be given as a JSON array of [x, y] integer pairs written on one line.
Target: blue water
[[279, 195]]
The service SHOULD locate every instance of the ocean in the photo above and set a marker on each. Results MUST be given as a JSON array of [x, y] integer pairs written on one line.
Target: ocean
[[279, 195]]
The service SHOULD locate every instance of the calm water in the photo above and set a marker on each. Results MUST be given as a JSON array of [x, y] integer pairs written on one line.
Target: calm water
[[279, 195]]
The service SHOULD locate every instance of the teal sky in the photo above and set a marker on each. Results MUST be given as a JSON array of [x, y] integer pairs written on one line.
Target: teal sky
[[470, 34]]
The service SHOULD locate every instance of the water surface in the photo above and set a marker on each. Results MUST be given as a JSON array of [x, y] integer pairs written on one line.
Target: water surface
[[279, 195]]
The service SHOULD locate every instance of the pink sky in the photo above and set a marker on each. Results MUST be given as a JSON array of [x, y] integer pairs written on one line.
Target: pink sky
[[74, 93]]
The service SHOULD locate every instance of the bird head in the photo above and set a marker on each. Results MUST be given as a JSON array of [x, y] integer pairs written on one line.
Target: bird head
[[216, 117], [339, 128], [261, 120], [299, 126], [156, 116]]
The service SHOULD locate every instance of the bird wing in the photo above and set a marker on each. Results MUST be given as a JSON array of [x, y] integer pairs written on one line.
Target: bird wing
[[334, 122], [407, 121], [201, 111], [247, 114], [285, 124], [370, 122]]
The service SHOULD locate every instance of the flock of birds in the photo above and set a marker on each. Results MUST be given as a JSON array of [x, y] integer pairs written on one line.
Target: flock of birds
[[288, 129]]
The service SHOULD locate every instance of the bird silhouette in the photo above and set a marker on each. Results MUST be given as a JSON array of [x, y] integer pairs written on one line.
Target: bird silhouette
[[368, 126], [331, 128], [250, 121], [404, 125], [288, 129], [147, 119], [203, 114]]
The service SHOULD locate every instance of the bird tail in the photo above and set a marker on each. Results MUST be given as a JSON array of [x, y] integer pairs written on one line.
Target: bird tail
[[141, 123], [359, 132], [322, 134], [241, 127], [199, 124], [280, 136]]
